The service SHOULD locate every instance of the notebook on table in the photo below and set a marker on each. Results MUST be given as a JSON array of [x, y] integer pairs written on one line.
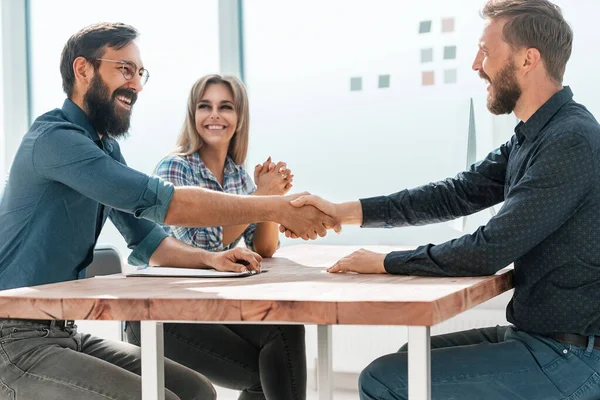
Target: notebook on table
[[189, 273]]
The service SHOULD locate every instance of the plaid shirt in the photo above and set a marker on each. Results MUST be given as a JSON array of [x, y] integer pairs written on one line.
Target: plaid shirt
[[191, 171]]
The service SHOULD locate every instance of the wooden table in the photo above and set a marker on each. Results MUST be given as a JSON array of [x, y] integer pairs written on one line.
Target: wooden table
[[295, 290]]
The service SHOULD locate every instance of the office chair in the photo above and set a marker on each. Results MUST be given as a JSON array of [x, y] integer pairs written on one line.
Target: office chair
[[107, 261]]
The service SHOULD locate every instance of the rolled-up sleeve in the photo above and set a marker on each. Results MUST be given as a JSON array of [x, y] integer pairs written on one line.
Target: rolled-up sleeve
[[73, 159], [142, 236]]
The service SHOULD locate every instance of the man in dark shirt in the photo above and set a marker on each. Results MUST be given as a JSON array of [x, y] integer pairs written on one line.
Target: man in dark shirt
[[67, 177], [548, 176]]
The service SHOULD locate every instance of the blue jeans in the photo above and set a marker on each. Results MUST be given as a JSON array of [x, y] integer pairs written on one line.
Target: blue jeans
[[498, 363]]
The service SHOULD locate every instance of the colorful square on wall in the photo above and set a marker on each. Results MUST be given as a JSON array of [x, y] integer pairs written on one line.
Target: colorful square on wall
[[384, 81], [355, 84], [427, 78], [425, 27], [450, 76], [449, 52], [447, 25], [426, 55]]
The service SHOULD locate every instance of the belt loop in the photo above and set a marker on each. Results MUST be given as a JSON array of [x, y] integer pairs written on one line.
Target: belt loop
[[590, 346], [52, 324]]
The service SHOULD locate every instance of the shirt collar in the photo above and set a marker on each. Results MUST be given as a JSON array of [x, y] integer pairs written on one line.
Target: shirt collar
[[230, 168], [77, 116], [530, 129]]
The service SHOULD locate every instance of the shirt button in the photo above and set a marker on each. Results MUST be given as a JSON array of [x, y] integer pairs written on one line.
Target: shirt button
[[565, 351]]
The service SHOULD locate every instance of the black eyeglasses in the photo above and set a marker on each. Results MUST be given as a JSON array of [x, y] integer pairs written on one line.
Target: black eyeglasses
[[129, 69]]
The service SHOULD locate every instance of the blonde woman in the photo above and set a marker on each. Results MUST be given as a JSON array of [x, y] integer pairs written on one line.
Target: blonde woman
[[262, 361]]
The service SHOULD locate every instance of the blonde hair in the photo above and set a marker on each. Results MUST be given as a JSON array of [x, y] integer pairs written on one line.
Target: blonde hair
[[189, 140]]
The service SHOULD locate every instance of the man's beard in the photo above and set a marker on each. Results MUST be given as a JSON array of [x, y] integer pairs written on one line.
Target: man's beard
[[505, 90], [103, 112]]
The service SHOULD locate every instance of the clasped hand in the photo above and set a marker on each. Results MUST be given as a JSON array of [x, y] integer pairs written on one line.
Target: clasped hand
[[272, 178]]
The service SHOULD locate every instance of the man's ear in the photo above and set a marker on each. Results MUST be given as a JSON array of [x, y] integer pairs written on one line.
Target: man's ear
[[83, 70], [531, 59]]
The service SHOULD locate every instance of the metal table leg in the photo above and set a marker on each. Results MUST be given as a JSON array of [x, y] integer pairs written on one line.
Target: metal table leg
[[324, 365], [153, 361], [419, 363]]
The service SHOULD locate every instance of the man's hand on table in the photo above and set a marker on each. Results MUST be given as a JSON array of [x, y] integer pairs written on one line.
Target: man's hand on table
[[238, 259], [306, 222], [361, 261]]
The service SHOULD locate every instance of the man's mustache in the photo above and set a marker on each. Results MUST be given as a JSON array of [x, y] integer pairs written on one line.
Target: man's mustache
[[484, 76]]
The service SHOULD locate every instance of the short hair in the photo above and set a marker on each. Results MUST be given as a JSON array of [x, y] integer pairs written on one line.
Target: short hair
[[538, 24], [189, 140], [90, 43]]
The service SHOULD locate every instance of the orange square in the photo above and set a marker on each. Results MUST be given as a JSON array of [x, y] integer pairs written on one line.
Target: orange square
[[427, 78]]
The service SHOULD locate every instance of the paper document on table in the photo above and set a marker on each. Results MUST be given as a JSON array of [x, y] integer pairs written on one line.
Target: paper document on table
[[189, 273]]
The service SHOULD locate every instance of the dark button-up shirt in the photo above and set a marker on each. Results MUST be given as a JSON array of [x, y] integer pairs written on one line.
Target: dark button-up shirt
[[548, 176], [63, 184]]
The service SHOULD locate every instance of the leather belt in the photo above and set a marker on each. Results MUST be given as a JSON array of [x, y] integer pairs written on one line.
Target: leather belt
[[575, 339], [53, 323]]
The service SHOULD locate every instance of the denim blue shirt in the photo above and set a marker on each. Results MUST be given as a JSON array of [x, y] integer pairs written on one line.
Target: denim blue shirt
[[548, 176], [63, 184]]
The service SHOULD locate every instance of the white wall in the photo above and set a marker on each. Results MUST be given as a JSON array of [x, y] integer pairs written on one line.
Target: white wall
[[13, 79], [346, 144], [2, 135], [580, 71]]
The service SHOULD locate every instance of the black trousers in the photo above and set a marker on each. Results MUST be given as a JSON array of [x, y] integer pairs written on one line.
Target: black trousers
[[264, 362]]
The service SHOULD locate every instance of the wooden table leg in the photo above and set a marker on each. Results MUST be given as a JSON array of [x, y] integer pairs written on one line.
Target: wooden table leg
[[419, 363], [153, 361], [324, 365]]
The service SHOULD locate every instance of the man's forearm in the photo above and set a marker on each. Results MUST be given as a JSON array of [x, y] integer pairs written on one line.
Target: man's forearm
[[350, 213], [196, 207], [174, 253]]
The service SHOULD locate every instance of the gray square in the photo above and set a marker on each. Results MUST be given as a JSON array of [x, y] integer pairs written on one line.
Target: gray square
[[426, 55], [449, 52], [450, 76], [425, 27], [355, 84], [384, 81]]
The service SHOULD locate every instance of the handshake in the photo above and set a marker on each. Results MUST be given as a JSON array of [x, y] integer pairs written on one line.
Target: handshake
[[301, 215], [308, 216]]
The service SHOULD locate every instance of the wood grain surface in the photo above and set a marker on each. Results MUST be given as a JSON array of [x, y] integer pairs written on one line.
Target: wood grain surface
[[296, 289]]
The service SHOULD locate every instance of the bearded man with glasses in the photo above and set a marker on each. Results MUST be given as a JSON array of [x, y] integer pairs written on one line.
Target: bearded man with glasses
[[68, 176]]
